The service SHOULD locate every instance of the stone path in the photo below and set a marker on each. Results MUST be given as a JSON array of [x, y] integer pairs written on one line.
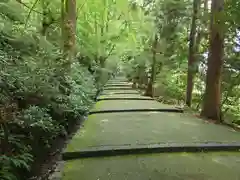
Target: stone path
[[117, 132]]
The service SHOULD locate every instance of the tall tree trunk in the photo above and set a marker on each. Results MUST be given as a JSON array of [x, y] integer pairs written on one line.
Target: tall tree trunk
[[212, 97], [63, 16], [205, 19], [205, 8], [45, 18], [150, 90], [69, 29], [201, 27], [192, 54]]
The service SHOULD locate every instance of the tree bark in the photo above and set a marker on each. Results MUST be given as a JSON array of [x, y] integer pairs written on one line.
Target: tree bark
[[69, 28], [150, 90], [212, 97], [63, 16], [201, 27], [192, 54], [45, 18]]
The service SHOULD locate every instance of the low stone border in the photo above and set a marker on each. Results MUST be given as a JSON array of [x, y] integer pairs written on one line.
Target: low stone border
[[176, 110], [127, 98], [106, 151]]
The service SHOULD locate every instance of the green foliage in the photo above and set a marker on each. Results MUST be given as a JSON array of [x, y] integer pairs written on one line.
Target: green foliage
[[47, 98], [8, 10], [83, 89], [171, 21], [18, 158], [43, 94], [38, 121], [171, 85]]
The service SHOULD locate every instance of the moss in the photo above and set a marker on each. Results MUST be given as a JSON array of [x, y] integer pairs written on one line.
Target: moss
[[179, 166], [148, 128]]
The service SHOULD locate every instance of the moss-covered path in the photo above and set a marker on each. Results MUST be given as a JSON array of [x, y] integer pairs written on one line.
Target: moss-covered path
[[108, 128]]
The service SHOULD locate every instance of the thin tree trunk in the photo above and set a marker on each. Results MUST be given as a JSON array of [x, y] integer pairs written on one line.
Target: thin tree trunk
[[63, 16], [212, 97], [150, 91], [72, 22], [205, 20], [70, 29], [45, 21], [192, 54], [200, 30], [205, 7]]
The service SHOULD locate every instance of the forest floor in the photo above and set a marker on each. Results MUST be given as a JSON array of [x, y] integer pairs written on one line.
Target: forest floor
[[125, 123]]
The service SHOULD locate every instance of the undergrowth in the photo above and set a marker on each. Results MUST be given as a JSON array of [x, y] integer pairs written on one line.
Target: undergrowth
[[39, 99]]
